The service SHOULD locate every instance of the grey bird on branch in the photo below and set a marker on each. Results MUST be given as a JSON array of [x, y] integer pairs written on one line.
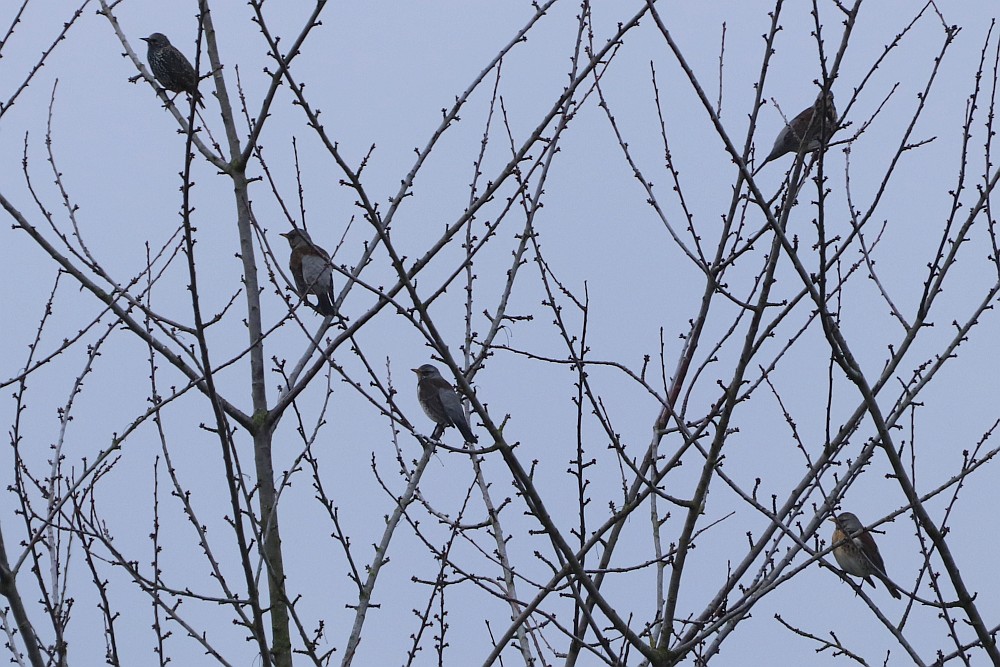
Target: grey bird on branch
[[312, 271], [807, 132], [857, 552], [171, 68], [440, 401]]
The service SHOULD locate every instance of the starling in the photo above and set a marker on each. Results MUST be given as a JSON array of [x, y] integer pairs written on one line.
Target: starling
[[808, 131], [857, 552], [440, 401], [171, 68], [311, 269]]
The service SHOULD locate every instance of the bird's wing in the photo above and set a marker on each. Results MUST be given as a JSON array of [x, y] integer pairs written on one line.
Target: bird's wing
[[782, 144], [451, 403], [793, 134], [870, 549], [316, 273], [181, 69]]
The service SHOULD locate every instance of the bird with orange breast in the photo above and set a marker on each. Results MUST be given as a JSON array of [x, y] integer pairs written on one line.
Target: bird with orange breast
[[856, 552]]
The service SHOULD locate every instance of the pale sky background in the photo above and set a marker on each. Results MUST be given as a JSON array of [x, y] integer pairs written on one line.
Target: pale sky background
[[381, 72]]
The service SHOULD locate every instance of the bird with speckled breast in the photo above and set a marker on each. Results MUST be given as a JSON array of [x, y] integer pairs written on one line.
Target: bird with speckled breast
[[440, 401]]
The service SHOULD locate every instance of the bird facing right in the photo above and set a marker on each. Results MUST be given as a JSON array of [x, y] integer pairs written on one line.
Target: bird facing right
[[311, 270], [858, 554], [171, 68], [440, 401], [808, 131]]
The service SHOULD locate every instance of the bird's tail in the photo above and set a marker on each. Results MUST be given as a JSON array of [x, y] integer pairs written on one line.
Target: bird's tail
[[466, 432], [891, 587], [325, 305]]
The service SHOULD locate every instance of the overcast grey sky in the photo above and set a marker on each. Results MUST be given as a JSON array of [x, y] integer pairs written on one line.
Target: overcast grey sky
[[381, 73]]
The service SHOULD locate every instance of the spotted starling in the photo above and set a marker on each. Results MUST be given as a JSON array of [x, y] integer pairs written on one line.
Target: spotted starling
[[171, 68], [440, 401], [808, 131], [311, 270]]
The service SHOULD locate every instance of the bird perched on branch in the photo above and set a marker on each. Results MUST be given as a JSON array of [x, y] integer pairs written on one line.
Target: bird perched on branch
[[440, 401], [312, 271], [808, 131], [171, 68], [857, 552]]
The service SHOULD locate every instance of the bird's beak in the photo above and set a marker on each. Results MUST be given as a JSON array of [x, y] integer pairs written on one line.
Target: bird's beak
[[145, 39], [416, 370], [285, 234]]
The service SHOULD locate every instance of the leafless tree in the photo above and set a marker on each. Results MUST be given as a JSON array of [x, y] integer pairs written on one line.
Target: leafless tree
[[296, 503]]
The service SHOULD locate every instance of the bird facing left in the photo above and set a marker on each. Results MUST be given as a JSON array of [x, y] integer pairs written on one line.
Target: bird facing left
[[856, 552], [440, 401], [312, 270], [171, 68]]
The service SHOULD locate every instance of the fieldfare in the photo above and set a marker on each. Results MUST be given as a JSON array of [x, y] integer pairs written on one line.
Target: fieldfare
[[440, 401], [806, 132], [312, 270], [171, 68], [857, 552]]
